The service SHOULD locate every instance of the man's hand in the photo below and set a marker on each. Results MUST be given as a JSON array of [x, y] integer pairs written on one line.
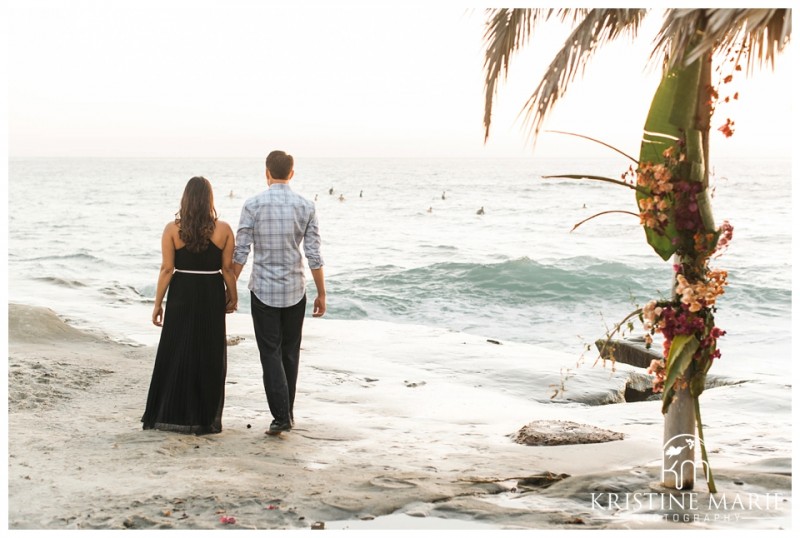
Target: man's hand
[[237, 269], [319, 307]]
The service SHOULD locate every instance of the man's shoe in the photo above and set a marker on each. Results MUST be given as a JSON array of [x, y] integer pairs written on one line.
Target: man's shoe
[[276, 427]]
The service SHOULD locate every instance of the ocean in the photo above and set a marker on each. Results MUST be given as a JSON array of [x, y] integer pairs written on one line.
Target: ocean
[[403, 242]]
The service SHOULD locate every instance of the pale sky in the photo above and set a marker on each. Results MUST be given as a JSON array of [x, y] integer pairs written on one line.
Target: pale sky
[[235, 79]]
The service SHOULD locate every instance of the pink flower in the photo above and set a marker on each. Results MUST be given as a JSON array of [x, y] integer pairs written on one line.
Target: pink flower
[[727, 129], [228, 520], [661, 173], [725, 237], [657, 369], [716, 332]]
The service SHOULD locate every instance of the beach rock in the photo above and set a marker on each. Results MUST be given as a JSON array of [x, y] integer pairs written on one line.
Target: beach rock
[[639, 388], [631, 351], [234, 340], [540, 481], [561, 432], [33, 324]]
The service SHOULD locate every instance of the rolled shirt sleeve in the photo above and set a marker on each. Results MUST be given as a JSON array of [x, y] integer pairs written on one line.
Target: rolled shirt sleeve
[[244, 236], [312, 243]]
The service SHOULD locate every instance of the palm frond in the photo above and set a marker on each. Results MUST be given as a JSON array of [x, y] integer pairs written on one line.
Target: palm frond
[[759, 34], [597, 178], [574, 16], [507, 31], [679, 29], [598, 27], [609, 146], [762, 32], [601, 214], [687, 34]]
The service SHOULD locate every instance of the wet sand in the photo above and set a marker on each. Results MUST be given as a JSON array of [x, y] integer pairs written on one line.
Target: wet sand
[[398, 427]]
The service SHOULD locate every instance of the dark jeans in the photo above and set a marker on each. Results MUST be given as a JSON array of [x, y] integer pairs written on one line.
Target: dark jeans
[[278, 334]]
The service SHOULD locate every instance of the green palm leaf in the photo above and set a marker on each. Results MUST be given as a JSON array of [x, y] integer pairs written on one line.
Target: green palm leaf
[[670, 119], [681, 350]]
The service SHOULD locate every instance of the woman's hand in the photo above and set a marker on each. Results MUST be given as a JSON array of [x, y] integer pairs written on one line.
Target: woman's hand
[[158, 316], [231, 305]]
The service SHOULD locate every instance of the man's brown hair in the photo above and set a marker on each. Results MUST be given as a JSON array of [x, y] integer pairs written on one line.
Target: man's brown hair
[[279, 164]]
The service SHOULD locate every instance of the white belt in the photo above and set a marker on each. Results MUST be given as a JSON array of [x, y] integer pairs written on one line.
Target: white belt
[[198, 272]]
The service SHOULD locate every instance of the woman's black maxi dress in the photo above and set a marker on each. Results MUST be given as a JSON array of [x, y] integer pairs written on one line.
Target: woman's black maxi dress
[[187, 390]]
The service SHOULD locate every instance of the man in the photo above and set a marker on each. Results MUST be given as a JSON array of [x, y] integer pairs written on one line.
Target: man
[[275, 222]]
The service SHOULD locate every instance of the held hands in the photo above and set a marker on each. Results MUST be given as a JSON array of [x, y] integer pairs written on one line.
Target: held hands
[[232, 303], [319, 307], [158, 316]]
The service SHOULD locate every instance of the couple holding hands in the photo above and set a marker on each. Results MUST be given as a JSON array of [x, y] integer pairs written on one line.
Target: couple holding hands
[[201, 261]]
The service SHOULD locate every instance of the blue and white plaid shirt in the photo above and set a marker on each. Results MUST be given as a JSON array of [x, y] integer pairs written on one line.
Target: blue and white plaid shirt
[[275, 222]]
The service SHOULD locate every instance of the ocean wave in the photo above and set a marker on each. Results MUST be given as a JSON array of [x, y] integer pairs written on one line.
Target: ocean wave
[[449, 248], [753, 298], [347, 308], [78, 256], [63, 282], [125, 293], [518, 280]]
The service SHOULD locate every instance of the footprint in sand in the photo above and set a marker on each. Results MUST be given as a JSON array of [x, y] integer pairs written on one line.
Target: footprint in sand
[[391, 483], [412, 384]]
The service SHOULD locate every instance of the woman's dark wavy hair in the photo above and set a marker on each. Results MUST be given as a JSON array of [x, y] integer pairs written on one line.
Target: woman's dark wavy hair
[[197, 217]]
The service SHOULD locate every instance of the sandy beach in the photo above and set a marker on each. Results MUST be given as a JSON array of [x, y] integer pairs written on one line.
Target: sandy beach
[[386, 438]]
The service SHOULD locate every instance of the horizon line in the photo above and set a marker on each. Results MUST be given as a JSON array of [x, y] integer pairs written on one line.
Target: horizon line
[[781, 156]]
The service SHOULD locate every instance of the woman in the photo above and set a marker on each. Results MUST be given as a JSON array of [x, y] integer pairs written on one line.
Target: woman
[[187, 389]]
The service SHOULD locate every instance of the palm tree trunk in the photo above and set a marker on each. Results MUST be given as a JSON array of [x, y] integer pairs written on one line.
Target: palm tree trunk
[[678, 470], [680, 421]]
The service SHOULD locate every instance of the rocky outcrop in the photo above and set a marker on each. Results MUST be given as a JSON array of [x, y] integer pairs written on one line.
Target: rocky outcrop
[[561, 432]]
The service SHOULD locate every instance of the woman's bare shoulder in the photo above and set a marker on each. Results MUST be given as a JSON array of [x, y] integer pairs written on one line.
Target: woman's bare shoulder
[[172, 233], [222, 226]]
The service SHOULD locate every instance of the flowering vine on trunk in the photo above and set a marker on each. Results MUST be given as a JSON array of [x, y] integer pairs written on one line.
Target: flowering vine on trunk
[[671, 186], [687, 320]]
